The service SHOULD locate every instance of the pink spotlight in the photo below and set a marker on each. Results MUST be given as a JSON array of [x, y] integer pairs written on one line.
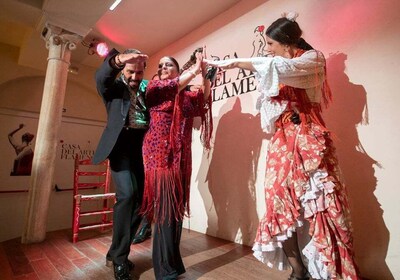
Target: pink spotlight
[[102, 49]]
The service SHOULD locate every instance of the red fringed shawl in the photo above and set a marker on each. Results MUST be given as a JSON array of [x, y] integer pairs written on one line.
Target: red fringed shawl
[[167, 148]]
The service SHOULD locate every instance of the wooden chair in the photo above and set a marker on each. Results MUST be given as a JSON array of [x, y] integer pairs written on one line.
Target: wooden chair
[[91, 183]]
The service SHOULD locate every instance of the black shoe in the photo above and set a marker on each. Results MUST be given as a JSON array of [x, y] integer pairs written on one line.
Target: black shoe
[[109, 263], [144, 233], [121, 272]]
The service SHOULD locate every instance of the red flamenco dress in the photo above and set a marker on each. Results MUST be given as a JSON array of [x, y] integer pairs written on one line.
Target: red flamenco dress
[[304, 193], [167, 161]]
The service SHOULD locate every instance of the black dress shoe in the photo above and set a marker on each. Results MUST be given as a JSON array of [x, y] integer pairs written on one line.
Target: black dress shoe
[[121, 272], [109, 263], [144, 233]]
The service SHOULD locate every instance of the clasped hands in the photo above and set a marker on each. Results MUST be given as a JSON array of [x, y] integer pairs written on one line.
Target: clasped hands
[[201, 60], [200, 65]]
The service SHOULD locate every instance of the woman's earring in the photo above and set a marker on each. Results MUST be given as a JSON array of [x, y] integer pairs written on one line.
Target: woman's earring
[[286, 48], [288, 51]]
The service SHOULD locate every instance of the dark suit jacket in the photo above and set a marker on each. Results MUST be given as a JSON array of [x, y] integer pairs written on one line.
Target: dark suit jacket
[[116, 98]]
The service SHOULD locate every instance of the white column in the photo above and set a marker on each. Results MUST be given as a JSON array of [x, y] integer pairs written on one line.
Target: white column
[[59, 43]]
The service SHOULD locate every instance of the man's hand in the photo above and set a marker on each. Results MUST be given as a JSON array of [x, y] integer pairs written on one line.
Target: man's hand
[[131, 58]]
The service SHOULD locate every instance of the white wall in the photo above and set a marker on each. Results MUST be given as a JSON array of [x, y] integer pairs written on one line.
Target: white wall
[[21, 91], [360, 40]]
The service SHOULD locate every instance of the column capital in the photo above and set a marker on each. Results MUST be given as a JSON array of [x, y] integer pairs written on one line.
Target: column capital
[[55, 35]]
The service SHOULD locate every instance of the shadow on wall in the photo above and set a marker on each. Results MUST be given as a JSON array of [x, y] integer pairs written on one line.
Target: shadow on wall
[[348, 110], [232, 175]]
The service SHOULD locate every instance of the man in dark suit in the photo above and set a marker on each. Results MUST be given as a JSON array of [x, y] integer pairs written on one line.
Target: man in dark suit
[[120, 83]]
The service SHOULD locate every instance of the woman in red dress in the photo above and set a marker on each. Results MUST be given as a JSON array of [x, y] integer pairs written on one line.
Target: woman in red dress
[[167, 157], [305, 198]]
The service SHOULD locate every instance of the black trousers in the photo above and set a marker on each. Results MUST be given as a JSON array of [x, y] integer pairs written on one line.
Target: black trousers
[[167, 260], [127, 171]]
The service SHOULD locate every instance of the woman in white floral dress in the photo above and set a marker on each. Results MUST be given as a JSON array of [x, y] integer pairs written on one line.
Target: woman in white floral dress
[[303, 190]]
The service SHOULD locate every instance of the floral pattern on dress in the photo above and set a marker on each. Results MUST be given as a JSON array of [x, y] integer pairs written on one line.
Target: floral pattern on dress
[[303, 187]]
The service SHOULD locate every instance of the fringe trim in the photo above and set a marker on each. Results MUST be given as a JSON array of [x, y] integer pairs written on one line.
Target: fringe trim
[[206, 123], [165, 197]]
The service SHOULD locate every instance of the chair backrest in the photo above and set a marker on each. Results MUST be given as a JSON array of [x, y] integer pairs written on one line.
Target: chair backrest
[[95, 177], [91, 176]]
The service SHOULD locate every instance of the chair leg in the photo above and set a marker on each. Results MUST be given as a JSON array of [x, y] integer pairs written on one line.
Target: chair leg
[[75, 222]]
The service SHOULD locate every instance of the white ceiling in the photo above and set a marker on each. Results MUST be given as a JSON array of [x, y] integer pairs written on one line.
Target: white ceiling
[[148, 25]]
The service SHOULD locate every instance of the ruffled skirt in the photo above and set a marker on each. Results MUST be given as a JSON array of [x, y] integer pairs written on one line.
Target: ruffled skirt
[[304, 194]]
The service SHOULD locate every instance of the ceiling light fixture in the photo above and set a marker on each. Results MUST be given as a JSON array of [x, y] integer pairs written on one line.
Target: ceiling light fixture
[[102, 49], [96, 47], [115, 4]]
